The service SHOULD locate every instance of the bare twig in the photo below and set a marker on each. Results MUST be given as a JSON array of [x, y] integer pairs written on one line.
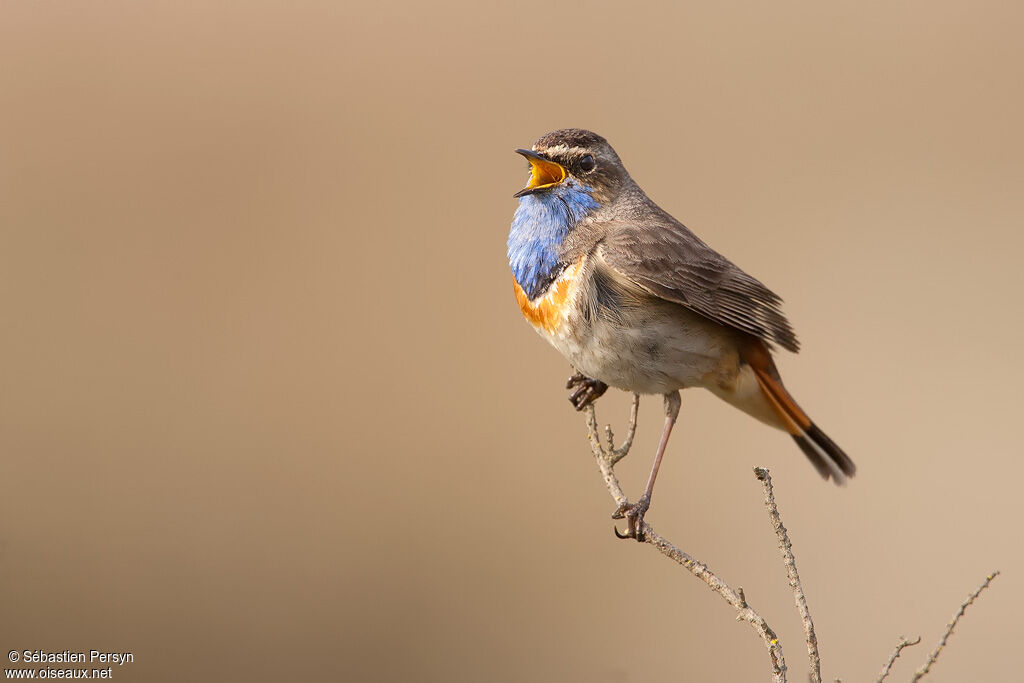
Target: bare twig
[[895, 654], [606, 459], [920, 673], [786, 548], [608, 456], [617, 454]]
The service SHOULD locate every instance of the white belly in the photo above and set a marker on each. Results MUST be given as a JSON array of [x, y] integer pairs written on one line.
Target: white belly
[[632, 340], [662, 350]]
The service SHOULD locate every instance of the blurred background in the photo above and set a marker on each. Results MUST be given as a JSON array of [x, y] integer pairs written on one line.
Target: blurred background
[[268, 410]]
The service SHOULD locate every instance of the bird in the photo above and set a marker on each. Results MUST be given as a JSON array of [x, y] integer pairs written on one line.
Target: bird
[[636, 301]]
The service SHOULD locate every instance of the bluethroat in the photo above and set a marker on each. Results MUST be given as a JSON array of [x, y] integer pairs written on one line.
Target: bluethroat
[[636, 301]]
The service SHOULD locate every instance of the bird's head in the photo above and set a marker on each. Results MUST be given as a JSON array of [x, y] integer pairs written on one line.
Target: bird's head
[[574, 159]]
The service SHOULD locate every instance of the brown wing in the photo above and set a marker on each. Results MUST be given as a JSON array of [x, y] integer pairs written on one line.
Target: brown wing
[[668, 260]]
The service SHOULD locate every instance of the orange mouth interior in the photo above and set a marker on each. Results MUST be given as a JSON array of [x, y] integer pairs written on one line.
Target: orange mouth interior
[[544, 174]]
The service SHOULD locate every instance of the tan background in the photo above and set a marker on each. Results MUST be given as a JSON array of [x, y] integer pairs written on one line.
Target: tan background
[[268, 410]]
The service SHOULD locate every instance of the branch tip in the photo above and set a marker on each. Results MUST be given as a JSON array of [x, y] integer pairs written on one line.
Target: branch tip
[[903, 642], [923, 671]]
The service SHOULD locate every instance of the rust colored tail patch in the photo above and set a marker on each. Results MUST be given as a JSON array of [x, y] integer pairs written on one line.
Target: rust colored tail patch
[[828, 458]]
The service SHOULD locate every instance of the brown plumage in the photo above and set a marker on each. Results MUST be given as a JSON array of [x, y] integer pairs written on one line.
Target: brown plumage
[[663, 256]]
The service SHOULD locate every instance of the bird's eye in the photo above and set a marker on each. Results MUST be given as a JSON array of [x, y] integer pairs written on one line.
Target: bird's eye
[[587, 163]]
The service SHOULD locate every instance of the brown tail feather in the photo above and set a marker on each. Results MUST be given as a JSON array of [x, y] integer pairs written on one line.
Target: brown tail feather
[[828, 459]]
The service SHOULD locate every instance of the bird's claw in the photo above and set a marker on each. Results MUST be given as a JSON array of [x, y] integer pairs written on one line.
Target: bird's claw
[[587, 390], [633, 513]]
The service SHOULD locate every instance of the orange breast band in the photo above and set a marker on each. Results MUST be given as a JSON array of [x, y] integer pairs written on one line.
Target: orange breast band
[[547, 312]]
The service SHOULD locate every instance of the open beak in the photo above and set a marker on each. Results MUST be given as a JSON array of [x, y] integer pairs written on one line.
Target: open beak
[[544, 174]]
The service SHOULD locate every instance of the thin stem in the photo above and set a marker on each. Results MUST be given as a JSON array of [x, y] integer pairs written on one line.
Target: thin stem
[[920, 673], [895, 654], [786, 548], [618, 454]]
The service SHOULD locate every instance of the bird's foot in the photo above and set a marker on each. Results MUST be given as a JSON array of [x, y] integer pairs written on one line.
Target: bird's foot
[[634, 516], [587, 390]]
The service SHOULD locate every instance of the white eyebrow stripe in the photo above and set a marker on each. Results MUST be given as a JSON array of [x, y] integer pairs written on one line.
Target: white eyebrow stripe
[[561, 149]]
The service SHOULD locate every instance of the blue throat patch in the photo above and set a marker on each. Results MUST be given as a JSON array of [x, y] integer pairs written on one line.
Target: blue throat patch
[[542, 222]]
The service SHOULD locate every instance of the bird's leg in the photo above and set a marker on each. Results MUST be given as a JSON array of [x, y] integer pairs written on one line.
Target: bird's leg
[[587, 390], [634, 513]]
